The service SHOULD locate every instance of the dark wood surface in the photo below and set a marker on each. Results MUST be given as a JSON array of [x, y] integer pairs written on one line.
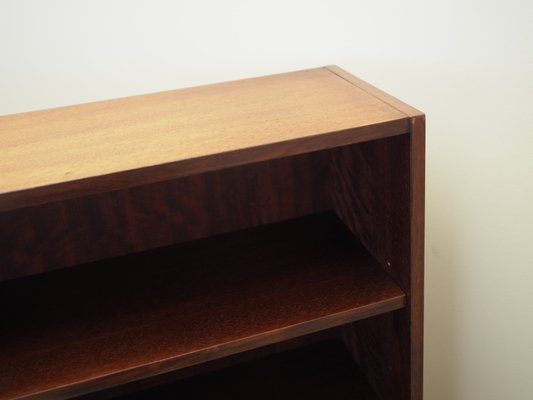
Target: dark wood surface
[[417, 145], [378, 191], [323, 371], [259, 151], [371, 190], [55, 235], [91, 327], [215, 365]]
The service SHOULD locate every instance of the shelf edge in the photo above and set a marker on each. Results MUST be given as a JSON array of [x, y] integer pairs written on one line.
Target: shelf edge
[[200, 356]]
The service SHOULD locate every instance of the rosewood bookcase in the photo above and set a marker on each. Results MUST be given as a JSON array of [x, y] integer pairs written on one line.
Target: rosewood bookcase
[[261, 238]]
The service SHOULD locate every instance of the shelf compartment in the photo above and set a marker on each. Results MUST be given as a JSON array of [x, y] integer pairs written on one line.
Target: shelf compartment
[[99, 325], [320, 371]]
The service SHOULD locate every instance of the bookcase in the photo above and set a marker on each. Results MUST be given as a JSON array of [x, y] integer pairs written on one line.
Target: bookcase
[[261, 238]]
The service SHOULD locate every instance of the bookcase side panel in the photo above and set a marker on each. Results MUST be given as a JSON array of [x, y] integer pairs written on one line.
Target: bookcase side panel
[[371, 193], [417, 143]]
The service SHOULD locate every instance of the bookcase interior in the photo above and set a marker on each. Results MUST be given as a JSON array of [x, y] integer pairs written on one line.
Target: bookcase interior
[[177, 273]]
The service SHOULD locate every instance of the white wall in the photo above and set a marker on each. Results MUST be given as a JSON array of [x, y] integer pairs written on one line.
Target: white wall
[[468, 64]]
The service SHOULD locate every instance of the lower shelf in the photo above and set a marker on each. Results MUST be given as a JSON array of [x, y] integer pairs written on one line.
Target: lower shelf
[[103, 324], [324, 371]]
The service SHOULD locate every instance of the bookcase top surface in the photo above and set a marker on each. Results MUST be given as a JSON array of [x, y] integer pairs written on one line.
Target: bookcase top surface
[[89, 148]]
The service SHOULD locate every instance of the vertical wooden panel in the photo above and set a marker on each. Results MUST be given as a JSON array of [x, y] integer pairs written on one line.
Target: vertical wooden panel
[[375, 186], [416, 295], [372, 193], [210, 366], [70, 232], [378, 345]]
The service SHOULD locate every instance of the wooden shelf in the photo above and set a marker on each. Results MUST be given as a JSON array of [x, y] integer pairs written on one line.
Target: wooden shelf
[[168, 235], [141, 139], [322, 371], [98, 325]]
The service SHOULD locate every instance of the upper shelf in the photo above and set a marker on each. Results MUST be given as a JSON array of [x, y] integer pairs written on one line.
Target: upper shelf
[[77, 150]]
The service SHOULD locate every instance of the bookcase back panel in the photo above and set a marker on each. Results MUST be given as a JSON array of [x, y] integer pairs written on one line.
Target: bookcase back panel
[[95, 227]]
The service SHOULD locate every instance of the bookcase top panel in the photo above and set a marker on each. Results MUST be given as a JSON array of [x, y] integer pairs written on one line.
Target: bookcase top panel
[[77, 150]]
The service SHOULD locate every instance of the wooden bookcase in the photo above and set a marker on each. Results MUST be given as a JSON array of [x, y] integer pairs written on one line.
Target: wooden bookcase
[[261, 238]]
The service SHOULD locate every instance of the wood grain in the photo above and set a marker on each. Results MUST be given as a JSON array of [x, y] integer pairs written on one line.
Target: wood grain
[[370, 189], [55, 235], [101, 180], [214, 365], [376, 92], [145, 314], [395, 235], [78, 150], [378, 191], [371, 192], [316, 372], [417, 142]]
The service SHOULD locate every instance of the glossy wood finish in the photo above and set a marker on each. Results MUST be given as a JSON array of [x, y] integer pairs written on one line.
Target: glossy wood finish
[[371, 194], [100, 182], [55, 235], [373, 91], [417, 145], [378, 191], [144, 314], [320, 371], [79, 150], [215, 365], [387, 231]]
